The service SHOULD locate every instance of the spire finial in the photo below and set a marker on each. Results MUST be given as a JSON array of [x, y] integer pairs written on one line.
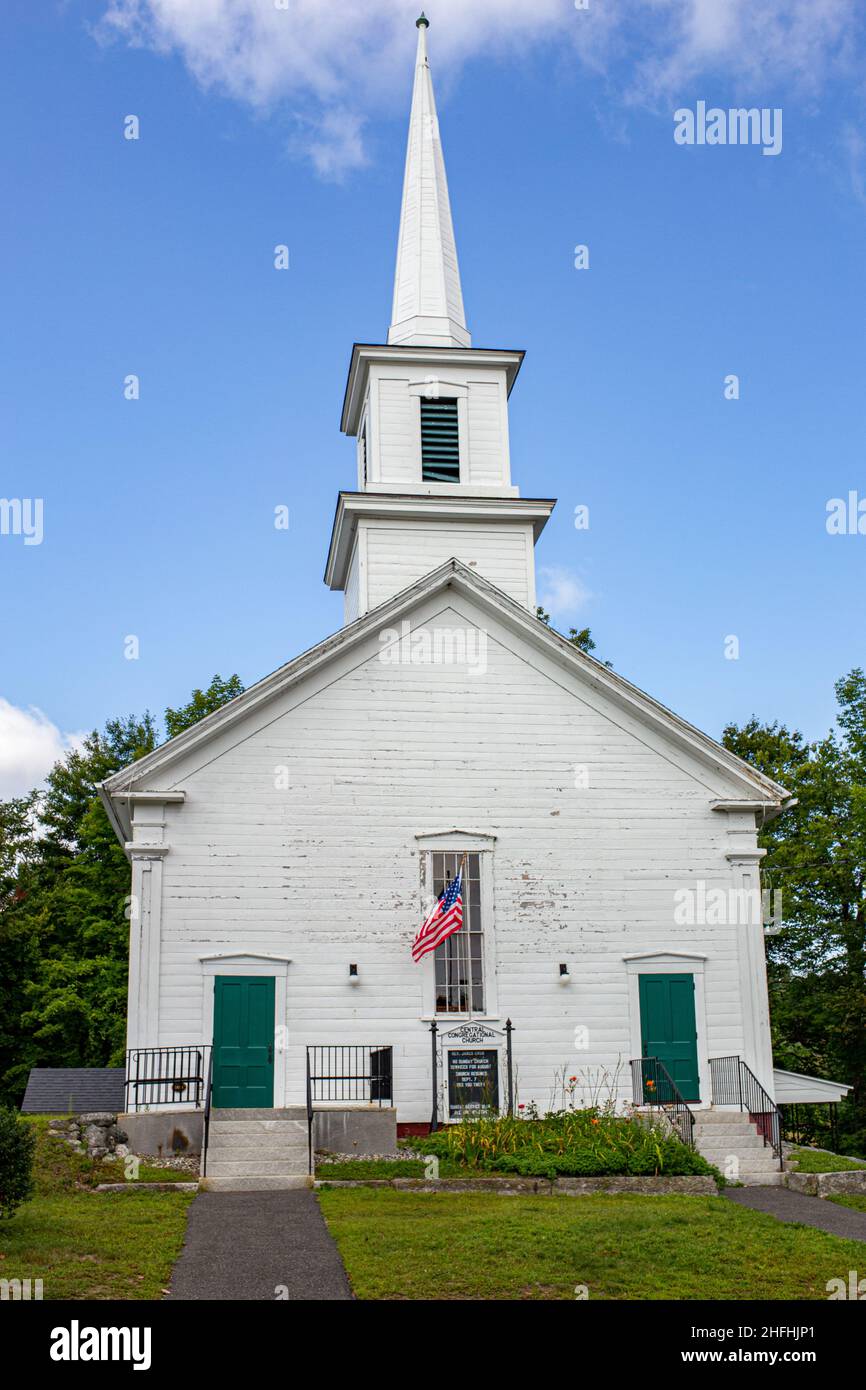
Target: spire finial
[[428, 301], [422, 19]]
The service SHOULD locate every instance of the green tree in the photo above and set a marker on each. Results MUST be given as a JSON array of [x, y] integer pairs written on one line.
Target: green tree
[[203, 702], [578, 637], [816, 855], [64, 886]]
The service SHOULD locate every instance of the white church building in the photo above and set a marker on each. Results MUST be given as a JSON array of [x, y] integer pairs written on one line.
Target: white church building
[[285, 849]]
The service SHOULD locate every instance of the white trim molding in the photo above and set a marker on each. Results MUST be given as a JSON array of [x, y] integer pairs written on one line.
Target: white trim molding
[[456, 841]]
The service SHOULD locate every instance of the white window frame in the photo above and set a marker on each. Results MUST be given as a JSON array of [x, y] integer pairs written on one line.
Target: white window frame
[[460, 842]]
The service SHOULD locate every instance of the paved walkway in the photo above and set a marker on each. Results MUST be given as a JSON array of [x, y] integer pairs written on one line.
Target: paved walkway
[[795, 1206], [258, 1245]]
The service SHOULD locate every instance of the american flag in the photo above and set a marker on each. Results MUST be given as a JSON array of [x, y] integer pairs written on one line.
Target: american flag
[[446, 917]]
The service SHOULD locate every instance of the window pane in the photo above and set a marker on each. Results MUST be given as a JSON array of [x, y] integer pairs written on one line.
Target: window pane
[[459, 960]]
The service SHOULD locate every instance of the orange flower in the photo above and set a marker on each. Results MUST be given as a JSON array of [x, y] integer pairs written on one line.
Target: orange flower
[[596, 1122], [650, 1085]]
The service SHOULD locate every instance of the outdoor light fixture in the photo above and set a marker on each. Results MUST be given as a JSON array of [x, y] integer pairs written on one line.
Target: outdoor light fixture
[[353, 975], [564, 977]]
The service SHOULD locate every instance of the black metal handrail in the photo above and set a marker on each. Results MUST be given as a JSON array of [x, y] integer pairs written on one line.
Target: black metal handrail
[[734, 1083], [158, 1076], [357, 1073], [208, 1095], [652, 1084]]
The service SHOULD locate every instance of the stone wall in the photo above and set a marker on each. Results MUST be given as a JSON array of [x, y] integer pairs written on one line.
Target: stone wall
[[95, 1133], [828, 1184]]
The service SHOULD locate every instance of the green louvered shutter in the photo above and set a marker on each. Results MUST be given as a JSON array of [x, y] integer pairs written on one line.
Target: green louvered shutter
[[440, 442]]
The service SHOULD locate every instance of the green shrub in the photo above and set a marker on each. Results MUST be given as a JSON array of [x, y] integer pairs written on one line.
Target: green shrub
[[567, 1143], [17, 1143]]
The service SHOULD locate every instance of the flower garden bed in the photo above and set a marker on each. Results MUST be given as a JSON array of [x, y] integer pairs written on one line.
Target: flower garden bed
[[590, 1143]]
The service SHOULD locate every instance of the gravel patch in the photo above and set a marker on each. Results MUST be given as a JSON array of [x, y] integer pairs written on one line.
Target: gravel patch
[[325, 1156]]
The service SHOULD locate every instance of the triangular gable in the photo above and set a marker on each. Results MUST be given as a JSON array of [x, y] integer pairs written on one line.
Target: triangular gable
[[760, 793]]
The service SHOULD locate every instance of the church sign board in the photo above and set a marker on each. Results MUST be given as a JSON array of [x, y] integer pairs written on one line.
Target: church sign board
[[472, 1072]]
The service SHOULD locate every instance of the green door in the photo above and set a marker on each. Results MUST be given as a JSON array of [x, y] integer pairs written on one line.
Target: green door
[[667, 1025], [243, 1042]]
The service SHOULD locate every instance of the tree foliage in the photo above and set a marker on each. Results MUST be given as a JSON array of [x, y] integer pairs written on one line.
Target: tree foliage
[[64, 895], [578, 637], [816, 856]]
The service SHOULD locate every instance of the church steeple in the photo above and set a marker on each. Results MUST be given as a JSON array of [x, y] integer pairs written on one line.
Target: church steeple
[[428, 300], [430, 416]]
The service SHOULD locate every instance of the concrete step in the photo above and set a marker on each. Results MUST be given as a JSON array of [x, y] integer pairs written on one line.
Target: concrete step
[[257, 1127], [716, 1135], [761, 1179], [291, 1162], [258, 1134], [293, 1112], [256, 1184], [245, 1144], [254, 1168], [721, 1117], [747, 1157]]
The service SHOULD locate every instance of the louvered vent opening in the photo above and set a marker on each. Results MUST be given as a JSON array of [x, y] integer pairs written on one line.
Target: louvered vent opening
[[440, 443]]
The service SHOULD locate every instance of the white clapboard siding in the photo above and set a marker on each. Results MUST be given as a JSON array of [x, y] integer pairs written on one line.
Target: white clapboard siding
[[351, 601], [399, 434], [328, 871], [486, 444], [398, 554]]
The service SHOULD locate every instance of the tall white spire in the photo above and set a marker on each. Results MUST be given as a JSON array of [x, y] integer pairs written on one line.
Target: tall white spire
[[428, 300]]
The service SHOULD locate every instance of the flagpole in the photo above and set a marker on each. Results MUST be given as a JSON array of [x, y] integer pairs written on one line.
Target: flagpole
[[464, 947]]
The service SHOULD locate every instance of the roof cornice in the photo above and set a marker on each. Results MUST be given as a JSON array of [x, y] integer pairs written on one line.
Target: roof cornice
[[351, 506], [365, 354]]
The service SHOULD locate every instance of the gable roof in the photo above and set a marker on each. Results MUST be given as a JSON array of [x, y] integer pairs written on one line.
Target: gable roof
[[760, 793], [74, 1090]]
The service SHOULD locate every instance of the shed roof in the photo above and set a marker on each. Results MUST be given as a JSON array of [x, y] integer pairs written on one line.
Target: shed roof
[[73, 1090]]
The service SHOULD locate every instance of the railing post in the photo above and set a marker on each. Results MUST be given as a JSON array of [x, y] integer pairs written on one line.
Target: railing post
[[434, 1118], [509, 1064], [207, 1109], [309, 1117]]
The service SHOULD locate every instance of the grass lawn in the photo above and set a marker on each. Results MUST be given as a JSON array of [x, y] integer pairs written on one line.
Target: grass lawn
[[371, 1168], [855, 1201], [816, 1161], [86, 1244], [399, 1245], [95, 1244]]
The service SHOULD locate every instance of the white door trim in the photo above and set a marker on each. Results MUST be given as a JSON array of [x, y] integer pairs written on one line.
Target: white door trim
[[251, 963], [671, 963]]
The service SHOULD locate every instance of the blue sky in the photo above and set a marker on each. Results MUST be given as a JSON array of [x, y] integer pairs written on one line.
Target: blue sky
[[155, 257]]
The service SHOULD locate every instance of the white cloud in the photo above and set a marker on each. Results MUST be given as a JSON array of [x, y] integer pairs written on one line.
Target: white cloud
[[759, 44], [29, 746], [335, 63], [561, 592]]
